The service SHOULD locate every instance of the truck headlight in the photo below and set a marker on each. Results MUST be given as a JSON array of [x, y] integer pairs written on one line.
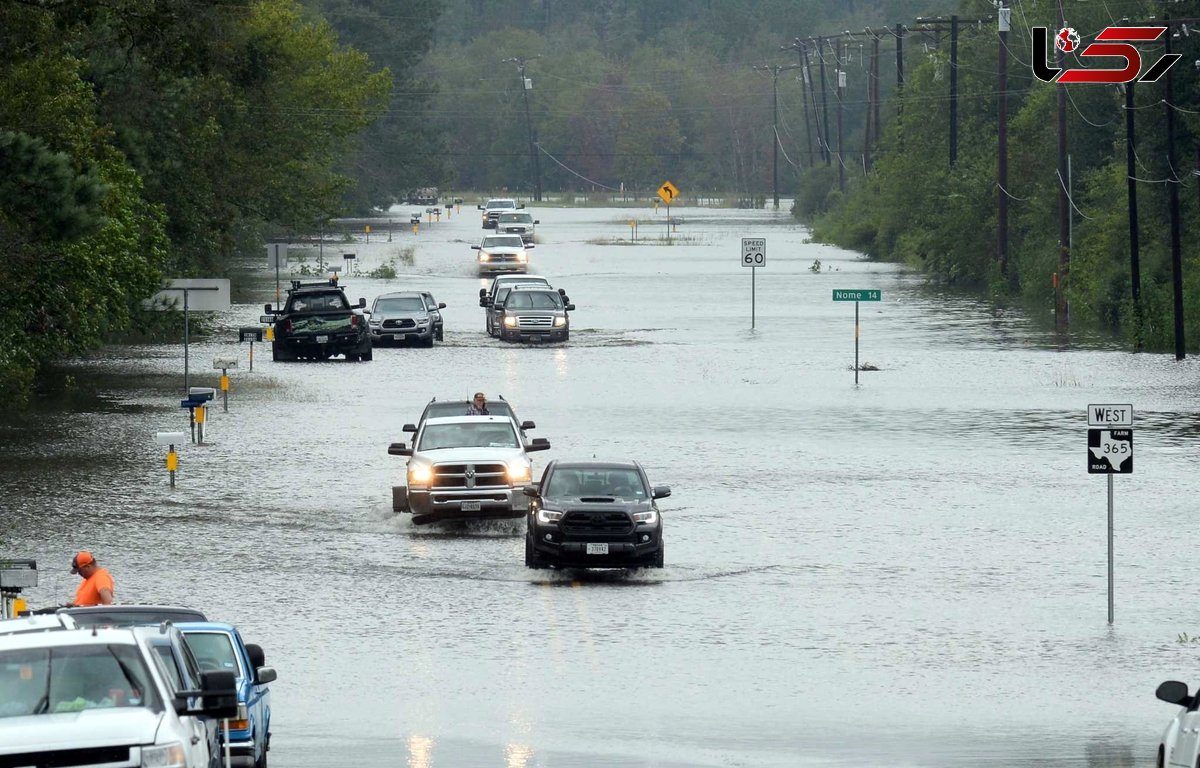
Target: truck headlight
[[484, 257], [518, 472], [164, 756], [560, 321], [510, 321], [549, 515], [649, 517], [419, 474], [522, 256]]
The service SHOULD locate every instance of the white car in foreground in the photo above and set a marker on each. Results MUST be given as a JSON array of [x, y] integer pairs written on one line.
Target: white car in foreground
[[101, 696], [1180, 744]]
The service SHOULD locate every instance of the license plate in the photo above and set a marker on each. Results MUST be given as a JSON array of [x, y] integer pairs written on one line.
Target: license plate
[[322, 339], [537, 337], [473, 506], [394, 337], [597, 549]]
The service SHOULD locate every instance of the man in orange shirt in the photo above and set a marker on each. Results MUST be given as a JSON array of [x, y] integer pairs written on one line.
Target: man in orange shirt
[[97, 586]]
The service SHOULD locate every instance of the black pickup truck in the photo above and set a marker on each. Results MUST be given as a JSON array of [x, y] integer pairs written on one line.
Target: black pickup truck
[[318, 322]]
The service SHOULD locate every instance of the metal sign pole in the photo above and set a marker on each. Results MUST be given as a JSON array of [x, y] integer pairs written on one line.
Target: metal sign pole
[[753, 272], [856, 343], [1110, 549], [185, 341]]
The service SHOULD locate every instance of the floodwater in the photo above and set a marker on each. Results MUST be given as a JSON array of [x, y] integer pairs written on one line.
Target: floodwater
[[909, 571]]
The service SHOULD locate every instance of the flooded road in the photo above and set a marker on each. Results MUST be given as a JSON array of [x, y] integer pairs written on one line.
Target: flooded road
[[911, 571]]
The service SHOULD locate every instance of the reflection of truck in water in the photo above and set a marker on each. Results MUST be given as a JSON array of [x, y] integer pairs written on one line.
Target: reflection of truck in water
[[423, 196], [318, 322]]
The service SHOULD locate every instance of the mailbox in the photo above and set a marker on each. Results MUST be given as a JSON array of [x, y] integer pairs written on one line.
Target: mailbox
[[18, 574], [222, 363], [170, 438], [202, 394], [250, 333]]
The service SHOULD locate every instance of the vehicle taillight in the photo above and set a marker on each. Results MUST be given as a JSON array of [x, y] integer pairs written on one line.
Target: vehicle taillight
[[287, 327], [353, 321]]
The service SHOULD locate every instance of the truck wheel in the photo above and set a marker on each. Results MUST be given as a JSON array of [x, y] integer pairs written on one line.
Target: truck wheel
[[532, 558], [368, 355], [658, 558], [428, 342], [399, 499], [261, 762], [422, 519], [441, 333]]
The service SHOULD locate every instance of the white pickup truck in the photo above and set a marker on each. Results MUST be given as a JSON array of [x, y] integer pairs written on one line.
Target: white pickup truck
[[467, 468]]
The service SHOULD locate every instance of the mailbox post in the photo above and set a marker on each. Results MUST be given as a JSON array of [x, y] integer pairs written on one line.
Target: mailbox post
[[197, 397], [252, 333], [225, 363], [170, 439]]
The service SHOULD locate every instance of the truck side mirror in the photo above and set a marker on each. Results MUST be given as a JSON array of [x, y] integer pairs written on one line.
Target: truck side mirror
[[362, 303], [531, 491], [409, 428], [267, 309], [441, 305], [265, 675], [528, 425], [399, 449], [482, 292], [538, 444], [660, 492], [537, 221], [570, 307]]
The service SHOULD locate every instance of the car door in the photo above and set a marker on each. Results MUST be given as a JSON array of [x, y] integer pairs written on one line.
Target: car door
[[1187, 742], [201, 747], [435, 314]]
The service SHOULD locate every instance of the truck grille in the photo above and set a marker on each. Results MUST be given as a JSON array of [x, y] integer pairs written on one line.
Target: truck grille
[[116, 757], [515, 230], [535, 321], [502, 258], [405, 323], [470, 476], [597, 523]]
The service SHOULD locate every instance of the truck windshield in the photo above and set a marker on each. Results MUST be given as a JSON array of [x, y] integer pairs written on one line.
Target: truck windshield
[[503, 241], [43, 681], [569, 483], [469, 435], [318, 301], [402, 304], [533, 300], [501, 204]]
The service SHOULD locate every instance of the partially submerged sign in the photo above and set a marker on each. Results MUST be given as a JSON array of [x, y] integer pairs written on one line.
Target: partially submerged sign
[[203, 295]]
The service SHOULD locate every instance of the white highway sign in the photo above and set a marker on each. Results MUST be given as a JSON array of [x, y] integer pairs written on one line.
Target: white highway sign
[[1110, 415], [754, 252]]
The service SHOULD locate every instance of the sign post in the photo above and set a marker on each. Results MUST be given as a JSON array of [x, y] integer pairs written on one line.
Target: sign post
[[1110, 452], [857, 296], [754, 255], [667, 192], [277, 257], [215, 298]]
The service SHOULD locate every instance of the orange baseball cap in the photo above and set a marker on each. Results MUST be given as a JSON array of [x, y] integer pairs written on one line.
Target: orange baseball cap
[[81, 560]]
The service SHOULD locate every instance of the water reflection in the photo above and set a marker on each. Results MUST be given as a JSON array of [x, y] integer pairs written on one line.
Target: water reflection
[[518, 755], [420, 752]]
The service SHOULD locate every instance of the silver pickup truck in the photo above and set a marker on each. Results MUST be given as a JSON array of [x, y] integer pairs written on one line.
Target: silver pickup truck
[[467, 468]]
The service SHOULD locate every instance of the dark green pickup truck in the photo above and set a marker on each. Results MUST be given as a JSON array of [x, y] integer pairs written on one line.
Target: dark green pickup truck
[[318, 322]]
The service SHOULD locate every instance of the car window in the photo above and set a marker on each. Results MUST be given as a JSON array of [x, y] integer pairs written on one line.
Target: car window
[[213, 651], [459, 408], [571, 482], [503, 241], [430, 304], [170, 668], [502, 294], [468, 435], [400, 304], [41, 681]]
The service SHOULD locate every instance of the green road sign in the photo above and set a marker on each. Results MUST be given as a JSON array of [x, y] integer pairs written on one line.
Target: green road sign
[[868, 295]]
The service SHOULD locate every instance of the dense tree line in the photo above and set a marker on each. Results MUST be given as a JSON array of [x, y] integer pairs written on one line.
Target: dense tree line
[[141, 139], [913, 207]]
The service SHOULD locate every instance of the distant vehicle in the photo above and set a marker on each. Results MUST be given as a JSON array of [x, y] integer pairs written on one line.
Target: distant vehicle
[[594, 514], [318, 322], [406, 316], [496, 206], [531, 313], [422, 196], [519, 223], [219, 647], [467, 468], [502, 253], [487, 296], [85, 697]]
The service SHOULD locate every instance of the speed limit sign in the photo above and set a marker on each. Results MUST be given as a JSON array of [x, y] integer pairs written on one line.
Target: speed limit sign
[[754, 252]]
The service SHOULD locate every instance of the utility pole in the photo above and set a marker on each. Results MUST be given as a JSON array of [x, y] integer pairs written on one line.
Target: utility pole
[[534, 160], [841, 84], [805, 89], [1062, 321], [899, 68], [953, 90], [1173, 204], [1135, 269], [875, 90], [1003, 22], [812, 97], [775, 70], [824, 100]]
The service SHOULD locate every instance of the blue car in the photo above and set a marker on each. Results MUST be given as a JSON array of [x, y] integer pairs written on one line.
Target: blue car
[[220, 648]]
